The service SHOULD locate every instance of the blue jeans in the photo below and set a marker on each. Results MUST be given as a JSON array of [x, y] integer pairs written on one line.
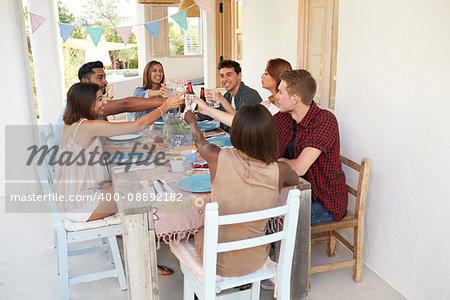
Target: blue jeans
[[319, 214]]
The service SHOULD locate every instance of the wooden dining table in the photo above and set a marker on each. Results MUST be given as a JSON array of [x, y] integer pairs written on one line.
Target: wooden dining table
[[150, 218]]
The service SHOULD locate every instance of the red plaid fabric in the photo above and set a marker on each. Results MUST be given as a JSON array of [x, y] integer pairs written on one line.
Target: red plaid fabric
[[318, 129]]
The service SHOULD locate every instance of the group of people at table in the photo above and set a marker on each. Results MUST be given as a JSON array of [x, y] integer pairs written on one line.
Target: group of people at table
[[275, 141]]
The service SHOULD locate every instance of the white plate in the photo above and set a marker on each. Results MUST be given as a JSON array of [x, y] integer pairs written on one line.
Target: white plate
[[125, 137]]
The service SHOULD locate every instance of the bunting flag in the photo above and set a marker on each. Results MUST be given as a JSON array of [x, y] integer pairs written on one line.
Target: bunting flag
[[180, 18], [206, 5], [124, 33], [153, 28], [95, 34], [36, 21], [66, 30]]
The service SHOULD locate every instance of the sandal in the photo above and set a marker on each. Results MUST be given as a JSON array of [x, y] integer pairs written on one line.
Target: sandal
[[164, 271]]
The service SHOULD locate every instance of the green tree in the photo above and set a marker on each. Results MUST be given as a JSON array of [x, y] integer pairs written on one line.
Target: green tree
[[73, 58], [176, 39], [105, 14]]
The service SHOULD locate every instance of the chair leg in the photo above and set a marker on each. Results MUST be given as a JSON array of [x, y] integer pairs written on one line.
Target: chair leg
[[255, 290], [188, 292], [358, 253], [331, 244], [114, 248], [55, 239], [309, 268], [111, 258], [63, 268]]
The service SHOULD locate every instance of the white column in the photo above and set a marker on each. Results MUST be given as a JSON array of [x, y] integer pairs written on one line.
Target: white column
[[46, 47], [209, 47], [16, 98], [143, 37]]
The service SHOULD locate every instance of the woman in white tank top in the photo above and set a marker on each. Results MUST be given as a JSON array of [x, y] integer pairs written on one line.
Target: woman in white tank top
[[81, 175]]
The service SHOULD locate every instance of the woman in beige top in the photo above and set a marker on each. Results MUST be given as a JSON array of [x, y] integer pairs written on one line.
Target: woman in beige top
[[244, 179]]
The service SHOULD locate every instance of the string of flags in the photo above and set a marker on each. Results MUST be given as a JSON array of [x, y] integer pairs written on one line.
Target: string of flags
[[125, 31]]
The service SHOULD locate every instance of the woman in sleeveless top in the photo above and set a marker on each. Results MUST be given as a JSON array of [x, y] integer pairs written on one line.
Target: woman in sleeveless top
[[81, 175], [244, 179]]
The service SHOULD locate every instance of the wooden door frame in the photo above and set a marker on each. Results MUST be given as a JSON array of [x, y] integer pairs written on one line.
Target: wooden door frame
[[302, 46], [224, 33]]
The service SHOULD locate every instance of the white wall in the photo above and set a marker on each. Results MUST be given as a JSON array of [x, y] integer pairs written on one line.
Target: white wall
[[181, 68], [392, 104], [17, 101], [269, 30], [175, 67], [46, 47]]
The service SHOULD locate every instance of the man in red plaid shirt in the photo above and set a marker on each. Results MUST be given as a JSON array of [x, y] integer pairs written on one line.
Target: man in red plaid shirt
[[308, 140]]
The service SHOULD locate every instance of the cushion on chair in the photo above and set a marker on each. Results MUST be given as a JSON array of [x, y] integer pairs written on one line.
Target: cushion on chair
[[187, 255], [77, 226]]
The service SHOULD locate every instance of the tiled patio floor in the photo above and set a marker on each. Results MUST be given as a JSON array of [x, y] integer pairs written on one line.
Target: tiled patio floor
[[28, 269]]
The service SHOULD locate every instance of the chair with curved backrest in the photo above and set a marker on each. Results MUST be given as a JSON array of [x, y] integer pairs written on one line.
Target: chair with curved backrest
[[201, 279], [353, 220], [65, 232]]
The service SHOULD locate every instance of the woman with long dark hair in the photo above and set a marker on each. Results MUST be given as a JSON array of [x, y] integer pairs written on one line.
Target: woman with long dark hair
[[250, 168], [81, 175]]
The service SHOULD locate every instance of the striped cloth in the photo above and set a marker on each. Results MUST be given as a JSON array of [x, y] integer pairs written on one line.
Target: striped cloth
[[187, 255]]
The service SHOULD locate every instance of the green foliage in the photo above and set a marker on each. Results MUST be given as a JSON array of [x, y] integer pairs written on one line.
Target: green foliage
[[176, 39], [30, 56], [73, 58], [66, 17], [98, 14]]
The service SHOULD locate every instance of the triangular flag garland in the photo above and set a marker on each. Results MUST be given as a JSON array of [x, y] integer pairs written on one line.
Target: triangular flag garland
[[95, 34], [66, 30], [124, 33], [36, 21], [153, 28], [206, 5], [180, 18]]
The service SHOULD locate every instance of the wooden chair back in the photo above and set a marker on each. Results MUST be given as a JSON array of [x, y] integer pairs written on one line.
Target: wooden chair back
[[353, 220]]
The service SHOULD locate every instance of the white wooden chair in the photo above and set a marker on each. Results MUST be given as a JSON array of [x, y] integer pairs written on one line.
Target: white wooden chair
[[207, 285], [66, 232]]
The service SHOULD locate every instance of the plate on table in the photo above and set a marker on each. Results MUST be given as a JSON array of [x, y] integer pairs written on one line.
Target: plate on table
[[208, 126], [196, 183], [122, 158], [125, 137], [223, 141]]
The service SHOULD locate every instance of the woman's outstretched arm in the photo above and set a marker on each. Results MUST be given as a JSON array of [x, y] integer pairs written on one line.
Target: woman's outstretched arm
[[208, 151]]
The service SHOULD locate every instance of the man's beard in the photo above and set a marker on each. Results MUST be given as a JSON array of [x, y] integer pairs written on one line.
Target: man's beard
[[103, 89]]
